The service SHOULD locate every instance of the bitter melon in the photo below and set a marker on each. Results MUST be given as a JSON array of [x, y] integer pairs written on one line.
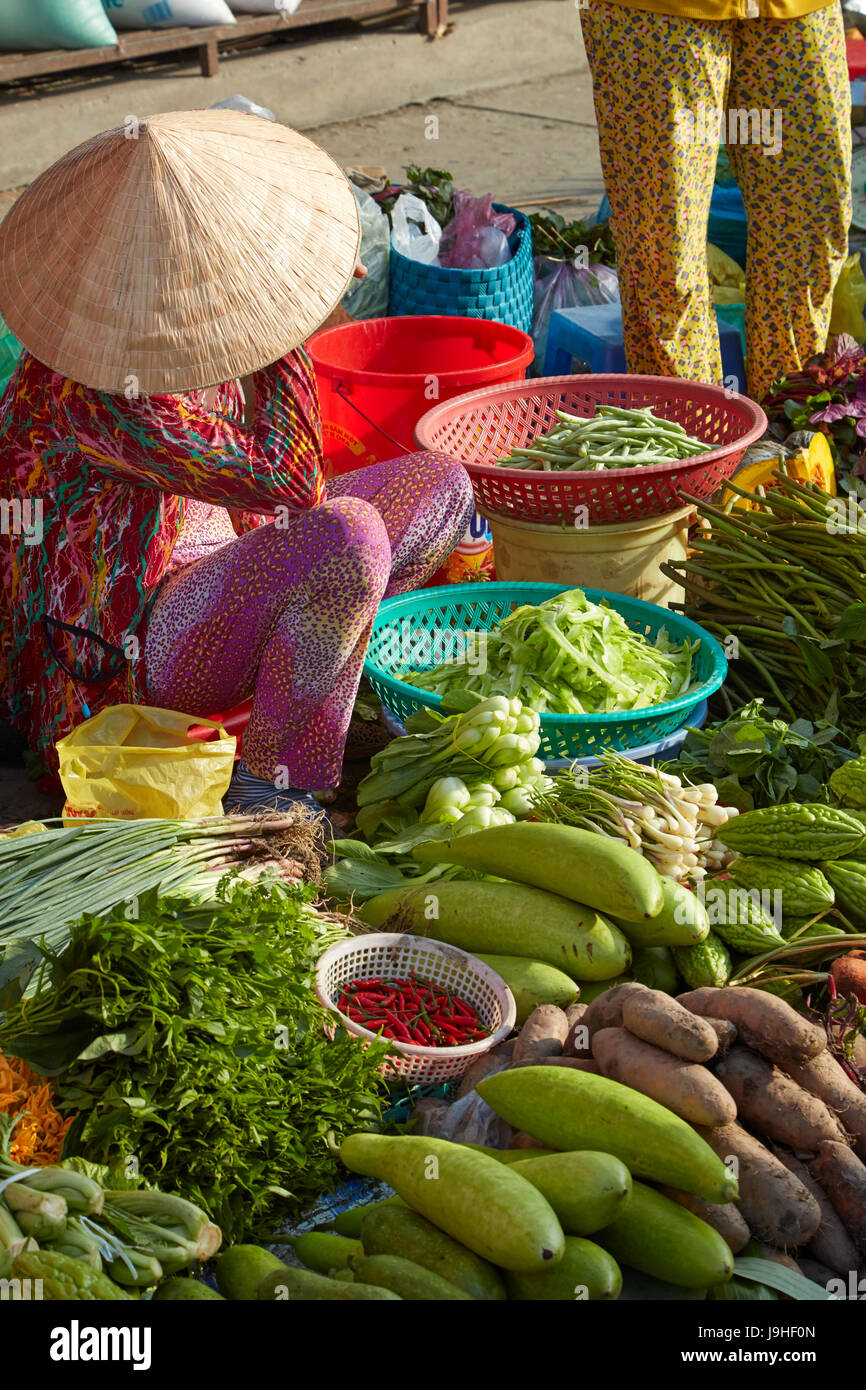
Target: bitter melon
[[794, 830], [707, 965], [64, 1279], [739, 918], [803, 888], [849, 782], [849, 881]]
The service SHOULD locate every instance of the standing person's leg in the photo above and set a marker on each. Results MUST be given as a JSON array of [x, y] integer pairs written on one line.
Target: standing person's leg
[[284, 614], [426, 503], [793, 75], [657, 80]]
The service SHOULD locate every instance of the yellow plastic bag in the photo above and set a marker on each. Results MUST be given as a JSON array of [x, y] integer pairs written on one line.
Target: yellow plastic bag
[[849, 297], [134, 761], [727, 279]]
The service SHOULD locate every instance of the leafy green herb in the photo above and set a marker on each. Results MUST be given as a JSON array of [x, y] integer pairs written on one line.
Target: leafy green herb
[[756, 759], [553, 236], [192, 1041]]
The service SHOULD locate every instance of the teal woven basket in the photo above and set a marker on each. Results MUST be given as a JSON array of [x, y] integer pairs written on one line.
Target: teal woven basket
[[400, 638], [502, 293]]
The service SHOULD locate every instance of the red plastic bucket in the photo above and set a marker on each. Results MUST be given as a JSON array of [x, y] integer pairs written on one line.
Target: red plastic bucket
[[377, 377]]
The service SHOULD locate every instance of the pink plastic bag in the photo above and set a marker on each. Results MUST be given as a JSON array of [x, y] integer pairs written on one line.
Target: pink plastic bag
[[566, 285], [476, 237]]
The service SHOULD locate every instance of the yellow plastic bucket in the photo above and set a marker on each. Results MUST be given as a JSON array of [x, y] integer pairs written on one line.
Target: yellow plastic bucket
[[626, 558]]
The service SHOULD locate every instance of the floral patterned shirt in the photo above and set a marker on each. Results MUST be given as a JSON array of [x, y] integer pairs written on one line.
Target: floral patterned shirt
[[94, 494]]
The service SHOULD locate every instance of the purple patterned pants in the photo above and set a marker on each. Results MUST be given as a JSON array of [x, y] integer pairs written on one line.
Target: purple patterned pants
[[284, 613]]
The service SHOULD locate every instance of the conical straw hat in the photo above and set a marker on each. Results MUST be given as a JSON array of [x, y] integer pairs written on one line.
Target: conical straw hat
[[177, 253]]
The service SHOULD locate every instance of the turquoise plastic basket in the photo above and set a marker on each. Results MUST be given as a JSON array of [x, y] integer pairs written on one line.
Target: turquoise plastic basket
[[503, 293], [455, 607]]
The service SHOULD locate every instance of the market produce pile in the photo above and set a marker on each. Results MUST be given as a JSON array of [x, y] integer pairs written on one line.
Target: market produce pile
[[192, 1038], [784, 585], [613, 437], [567, 655]]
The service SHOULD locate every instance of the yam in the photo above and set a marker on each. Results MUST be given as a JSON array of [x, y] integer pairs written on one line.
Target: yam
[[758, 1250], [542, 1035], [763, 1021], [724, 1217], [825, 1078], [606, 1010], [574, 1041], [659, 1019], [687, 1089], [843, 1177], [860, 1051], [831, 1243], [774, 1204], [773, 1104]]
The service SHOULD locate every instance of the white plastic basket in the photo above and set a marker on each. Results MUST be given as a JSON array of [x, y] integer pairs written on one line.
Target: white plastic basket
[[394, 956]]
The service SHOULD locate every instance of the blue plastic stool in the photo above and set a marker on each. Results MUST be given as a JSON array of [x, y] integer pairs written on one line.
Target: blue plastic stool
[[593, 334]]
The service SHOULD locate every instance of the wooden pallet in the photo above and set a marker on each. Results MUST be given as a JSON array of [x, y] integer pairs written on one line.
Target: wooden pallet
[[206, 41]]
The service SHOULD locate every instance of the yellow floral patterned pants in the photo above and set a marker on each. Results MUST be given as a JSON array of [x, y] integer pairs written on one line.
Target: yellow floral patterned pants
[[779, 91]]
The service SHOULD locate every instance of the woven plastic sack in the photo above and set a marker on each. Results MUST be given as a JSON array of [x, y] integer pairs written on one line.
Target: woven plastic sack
[[566, 285], [368, 298], [168, 14], [54, 24], [265, 6], [135, 761]]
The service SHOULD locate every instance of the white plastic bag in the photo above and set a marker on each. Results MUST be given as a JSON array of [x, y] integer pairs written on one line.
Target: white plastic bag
[[368, 298], [167, 14], [241, 103], [55, 24], [415, 233]]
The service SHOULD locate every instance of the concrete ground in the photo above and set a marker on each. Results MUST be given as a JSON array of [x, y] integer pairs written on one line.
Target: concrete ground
[[508, 86]]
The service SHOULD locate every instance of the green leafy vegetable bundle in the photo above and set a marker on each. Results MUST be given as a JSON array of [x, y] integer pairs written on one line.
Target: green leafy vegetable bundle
[[568, 656], [192, 1041], [758, 760]]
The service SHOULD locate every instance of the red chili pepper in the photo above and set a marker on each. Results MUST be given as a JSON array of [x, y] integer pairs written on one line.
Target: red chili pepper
[[401, 1031]]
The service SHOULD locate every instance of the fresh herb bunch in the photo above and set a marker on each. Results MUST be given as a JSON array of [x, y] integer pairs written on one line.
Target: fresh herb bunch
[[192, 1040], [435, 187], [553, 236], [756, 759]]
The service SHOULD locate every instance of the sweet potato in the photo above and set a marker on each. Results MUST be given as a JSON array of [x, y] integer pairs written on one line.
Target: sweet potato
[[485, 1065], [660, 1020], [763, 1022], [724, 1217], [819, 1273], [522, 1140], [759, 1250], [542, 1035], [578, 1063], [726, 1034], [824, 1078], [774, 1204], [577, 1031], [684, 1087], [773, 1105], [860, 1051], [606, 1010], [831, 1243], [843, 1178]]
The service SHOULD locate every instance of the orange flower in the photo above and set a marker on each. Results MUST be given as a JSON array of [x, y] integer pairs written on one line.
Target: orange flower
[[38, 1136]]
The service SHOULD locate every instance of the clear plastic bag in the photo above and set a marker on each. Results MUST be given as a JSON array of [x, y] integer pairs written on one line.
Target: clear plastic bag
[[476, 238], [566, 285], [242, 103], [368, 298], [415, 233]]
